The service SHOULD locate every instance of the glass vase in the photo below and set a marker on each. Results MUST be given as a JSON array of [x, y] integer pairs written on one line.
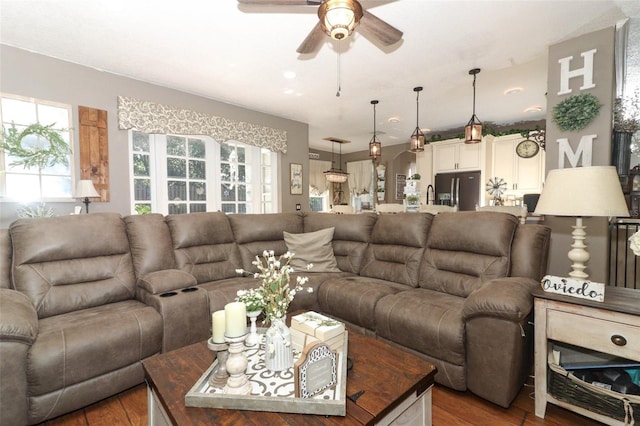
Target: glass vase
[[278, 352]]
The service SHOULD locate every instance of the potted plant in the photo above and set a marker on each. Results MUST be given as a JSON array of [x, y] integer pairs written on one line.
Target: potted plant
[[626, 122], [413, 199], [380, 193]]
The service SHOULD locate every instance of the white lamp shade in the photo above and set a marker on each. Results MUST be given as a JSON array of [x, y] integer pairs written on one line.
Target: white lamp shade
[[582, 191], [85, 188]]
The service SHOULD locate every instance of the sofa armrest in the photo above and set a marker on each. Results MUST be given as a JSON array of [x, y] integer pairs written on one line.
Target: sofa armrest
[[183, 305], [18, 331], [168, 280], [507, 298], [18, 318], [499, 338]]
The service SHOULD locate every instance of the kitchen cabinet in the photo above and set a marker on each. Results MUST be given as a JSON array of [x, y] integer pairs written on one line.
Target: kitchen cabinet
[[523, 175], [456, 156], [611, 327]]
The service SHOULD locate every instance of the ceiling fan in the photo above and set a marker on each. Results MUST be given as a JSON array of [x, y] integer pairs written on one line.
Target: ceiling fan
[[338, 19]]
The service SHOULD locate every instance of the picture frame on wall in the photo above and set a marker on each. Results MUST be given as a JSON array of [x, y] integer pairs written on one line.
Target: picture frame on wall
[[295, 179]]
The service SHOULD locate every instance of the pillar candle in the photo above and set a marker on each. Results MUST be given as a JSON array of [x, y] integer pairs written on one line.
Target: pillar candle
[[235, 314], [218, 326]]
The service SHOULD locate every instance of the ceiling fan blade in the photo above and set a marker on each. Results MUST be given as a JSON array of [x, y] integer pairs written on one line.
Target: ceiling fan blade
[[282, 2], [386, 33], [313, 40]]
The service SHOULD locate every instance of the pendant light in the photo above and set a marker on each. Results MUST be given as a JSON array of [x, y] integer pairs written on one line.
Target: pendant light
[[336, 175], [375, 146], [417, 138], [473, 129]]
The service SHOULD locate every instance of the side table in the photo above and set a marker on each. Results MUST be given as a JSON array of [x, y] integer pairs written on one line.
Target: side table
[[611, 327]]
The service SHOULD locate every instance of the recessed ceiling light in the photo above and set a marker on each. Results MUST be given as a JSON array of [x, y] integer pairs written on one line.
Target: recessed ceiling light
[[513, 90], [289, 75], [393, 119], [535, 108], [289, 91]]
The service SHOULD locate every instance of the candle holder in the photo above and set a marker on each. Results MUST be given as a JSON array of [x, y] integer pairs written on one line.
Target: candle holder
[[253, 337], [219, 378], [238, 382]]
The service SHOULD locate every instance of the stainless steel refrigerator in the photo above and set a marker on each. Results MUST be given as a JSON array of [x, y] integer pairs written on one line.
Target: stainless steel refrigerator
[[458, 189]]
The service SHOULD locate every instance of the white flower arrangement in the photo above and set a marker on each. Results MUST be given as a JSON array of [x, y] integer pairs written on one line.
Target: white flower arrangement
[[252, 298], [275, 292], [634, 243]]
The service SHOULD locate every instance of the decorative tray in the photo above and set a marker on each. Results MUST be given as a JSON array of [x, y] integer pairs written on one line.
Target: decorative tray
[[272, 391]]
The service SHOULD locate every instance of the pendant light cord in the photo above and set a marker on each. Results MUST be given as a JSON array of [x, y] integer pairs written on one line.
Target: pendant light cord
[[474, 94], [417, 107]]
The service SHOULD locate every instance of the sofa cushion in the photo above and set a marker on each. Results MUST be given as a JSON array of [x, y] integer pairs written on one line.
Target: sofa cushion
[[396, 248], [430, 323], [354, 298], [350, 236], [255, 233], [68, 263], [150, 241], [465, 249], [78, 346], [5, 259], [203, 245], [312, 248]]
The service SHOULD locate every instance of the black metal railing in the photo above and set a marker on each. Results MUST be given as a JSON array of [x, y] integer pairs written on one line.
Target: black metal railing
[[624, 265]]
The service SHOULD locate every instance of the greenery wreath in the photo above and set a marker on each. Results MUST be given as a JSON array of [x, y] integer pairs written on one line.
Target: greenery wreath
[[56, 153], [576, 112]]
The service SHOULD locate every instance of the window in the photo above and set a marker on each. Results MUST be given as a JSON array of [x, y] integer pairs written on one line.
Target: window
[[185, 174], [22, 183], [318, 187]]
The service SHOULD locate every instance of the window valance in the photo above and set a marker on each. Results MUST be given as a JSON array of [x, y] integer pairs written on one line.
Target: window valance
[[151, 117]]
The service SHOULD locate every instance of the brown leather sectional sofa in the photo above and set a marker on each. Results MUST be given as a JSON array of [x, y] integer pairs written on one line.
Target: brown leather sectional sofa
[[84, 299]]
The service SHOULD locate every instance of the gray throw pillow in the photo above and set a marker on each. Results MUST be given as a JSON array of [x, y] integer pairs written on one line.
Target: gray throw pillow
[[312, 247]]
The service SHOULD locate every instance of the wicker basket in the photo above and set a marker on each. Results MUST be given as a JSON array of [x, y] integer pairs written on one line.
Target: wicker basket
[[566, 387]]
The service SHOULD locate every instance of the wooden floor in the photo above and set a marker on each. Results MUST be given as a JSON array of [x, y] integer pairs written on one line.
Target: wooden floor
[[450, 408]]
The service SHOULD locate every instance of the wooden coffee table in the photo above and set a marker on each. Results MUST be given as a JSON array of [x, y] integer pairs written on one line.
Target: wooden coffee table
[[396, 384]]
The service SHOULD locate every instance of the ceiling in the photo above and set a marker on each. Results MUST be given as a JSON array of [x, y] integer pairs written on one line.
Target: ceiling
[[240, 54]]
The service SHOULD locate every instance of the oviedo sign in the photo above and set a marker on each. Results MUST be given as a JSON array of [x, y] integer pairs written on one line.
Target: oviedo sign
[[573, 287]]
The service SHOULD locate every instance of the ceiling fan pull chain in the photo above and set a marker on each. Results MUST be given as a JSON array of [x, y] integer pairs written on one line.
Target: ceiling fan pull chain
[[339, 88]]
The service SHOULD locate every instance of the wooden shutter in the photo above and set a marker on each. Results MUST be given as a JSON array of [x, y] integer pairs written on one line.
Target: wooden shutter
[[94, 149]]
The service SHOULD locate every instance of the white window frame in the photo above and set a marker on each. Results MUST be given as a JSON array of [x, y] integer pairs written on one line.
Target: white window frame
[[158, 176], [3, 167]]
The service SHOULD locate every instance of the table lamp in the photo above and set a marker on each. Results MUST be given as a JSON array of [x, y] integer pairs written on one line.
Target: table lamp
[[85, 189], [581, 192]]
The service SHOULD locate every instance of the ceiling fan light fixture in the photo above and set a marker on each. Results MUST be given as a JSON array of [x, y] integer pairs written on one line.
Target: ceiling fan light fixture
[[416, 143], [339, 18], [473, 129], [375, 146]]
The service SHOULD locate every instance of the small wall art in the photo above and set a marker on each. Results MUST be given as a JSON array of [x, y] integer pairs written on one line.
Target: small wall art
[[296, 179]]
